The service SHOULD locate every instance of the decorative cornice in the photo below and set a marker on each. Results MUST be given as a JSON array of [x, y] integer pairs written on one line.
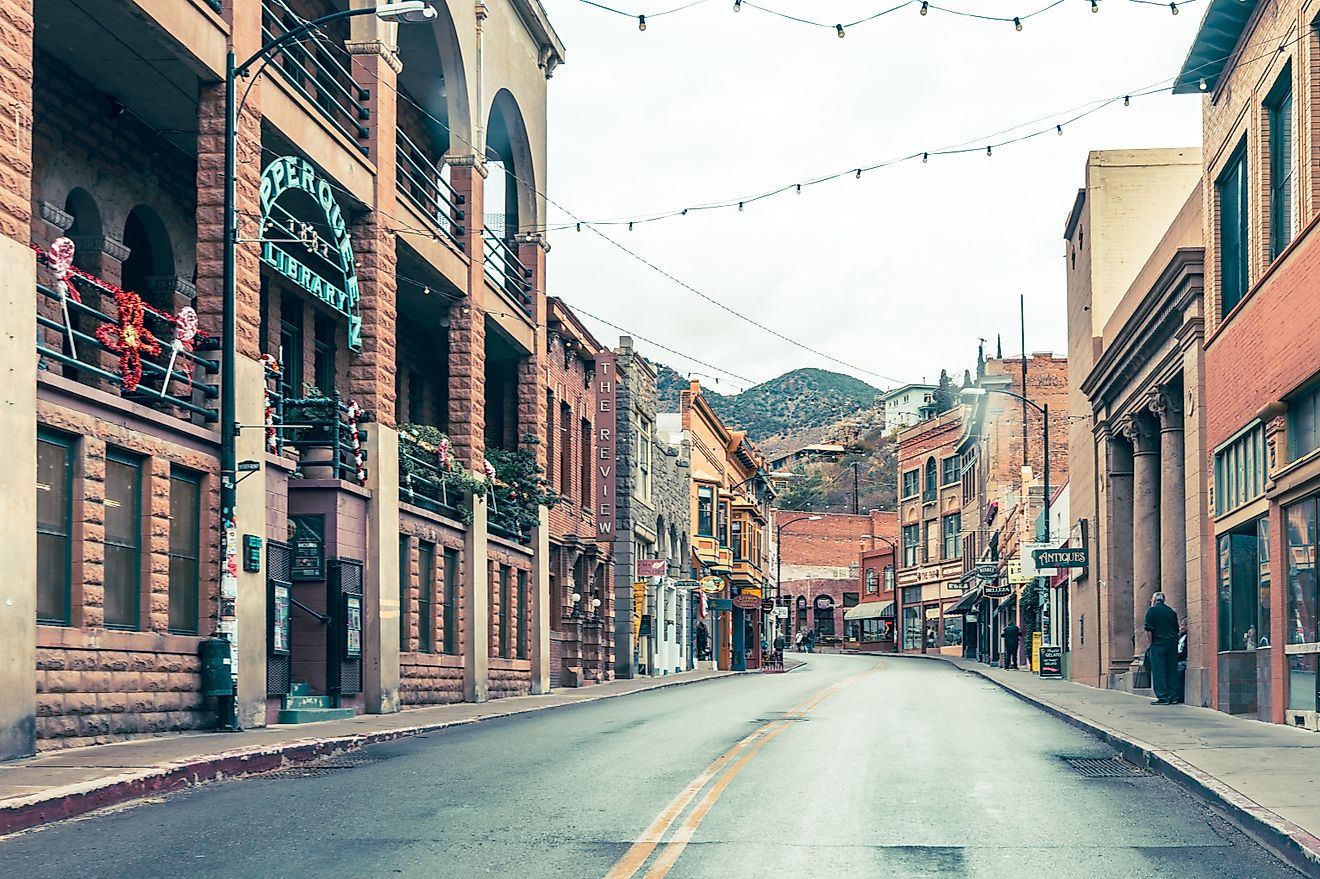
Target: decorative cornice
[[376, 47], [1167, 404], [53, 215], [1140, 429], [173, 286]]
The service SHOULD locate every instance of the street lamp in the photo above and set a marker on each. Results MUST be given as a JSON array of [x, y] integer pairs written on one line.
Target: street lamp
[[396, 12], [1045, 414], [779, 555]]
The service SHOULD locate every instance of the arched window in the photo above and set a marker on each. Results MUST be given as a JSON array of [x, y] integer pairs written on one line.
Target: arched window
[[932, 479]]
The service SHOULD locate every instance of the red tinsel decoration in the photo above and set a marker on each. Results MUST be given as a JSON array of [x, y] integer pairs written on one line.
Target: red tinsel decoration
[[129, 338]]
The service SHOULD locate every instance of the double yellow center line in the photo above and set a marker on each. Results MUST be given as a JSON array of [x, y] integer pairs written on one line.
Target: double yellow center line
[[722, 771]]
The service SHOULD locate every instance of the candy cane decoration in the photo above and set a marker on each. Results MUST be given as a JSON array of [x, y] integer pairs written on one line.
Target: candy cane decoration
[[185, 330], [60, 260], [272, 436], [354, 415], [490, 483]]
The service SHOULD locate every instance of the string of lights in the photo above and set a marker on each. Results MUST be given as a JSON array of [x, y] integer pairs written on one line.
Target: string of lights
[[577, 222], [925, 7]]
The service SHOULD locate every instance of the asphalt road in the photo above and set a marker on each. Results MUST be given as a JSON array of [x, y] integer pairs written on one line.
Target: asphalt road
[[848, 766]]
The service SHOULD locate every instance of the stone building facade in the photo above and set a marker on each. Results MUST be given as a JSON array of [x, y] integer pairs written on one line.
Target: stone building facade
[[653, 523], [1120, 216], [389, 280], [581, 564]]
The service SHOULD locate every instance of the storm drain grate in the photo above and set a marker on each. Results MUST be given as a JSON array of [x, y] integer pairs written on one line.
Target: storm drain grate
[[1105, 767], [322, 768]]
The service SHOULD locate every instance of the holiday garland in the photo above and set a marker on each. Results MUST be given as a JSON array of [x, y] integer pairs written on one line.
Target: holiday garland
[[129, 337], [354, 418], [272, 436]]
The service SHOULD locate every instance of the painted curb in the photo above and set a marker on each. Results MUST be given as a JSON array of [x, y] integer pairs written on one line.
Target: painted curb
[[1293, 844], [70, 801]]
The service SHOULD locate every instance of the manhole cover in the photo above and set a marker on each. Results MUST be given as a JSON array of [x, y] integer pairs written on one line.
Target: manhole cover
[[1105, 767], [321, 768]]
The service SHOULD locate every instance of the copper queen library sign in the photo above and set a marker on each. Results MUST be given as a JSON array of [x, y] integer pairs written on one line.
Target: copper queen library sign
[[606, 444]]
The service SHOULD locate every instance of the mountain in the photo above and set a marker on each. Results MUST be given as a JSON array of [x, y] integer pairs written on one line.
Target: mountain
[[800, 405]]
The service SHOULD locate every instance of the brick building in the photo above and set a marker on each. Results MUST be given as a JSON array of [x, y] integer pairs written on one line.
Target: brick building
[[386, 287], [816, 562], [1261, 255], [870, 625], [930, 568], [581, 563], [1001, 497], [653, 515]]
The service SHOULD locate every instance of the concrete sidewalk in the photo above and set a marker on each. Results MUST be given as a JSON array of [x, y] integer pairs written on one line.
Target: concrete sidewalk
[[63, 784], [1264, 777]]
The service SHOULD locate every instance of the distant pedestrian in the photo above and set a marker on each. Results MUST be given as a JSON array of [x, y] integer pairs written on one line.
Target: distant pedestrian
[[809, 641], [798, 639], [703, 642], [1162, 623], [1180, 680], [1012, 635]]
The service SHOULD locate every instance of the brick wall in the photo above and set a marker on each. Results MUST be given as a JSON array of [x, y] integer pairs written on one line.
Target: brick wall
[[509, 675], [435, 677]]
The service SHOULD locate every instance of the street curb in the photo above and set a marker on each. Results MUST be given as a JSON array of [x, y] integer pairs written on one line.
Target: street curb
[[1293, 844], [70, 801]]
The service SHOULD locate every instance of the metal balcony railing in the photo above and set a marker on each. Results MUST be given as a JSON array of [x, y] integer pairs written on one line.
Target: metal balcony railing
[[424, 184], [320, 70], [422, 483], [506, 271], [319, 429], [173, 381]]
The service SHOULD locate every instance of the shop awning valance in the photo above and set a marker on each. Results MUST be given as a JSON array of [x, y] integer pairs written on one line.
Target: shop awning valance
[[871, 610], [966, 604]]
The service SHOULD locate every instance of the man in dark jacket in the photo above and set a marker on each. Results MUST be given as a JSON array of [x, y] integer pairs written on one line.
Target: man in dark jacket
[[1012, 634], [1162, 623]]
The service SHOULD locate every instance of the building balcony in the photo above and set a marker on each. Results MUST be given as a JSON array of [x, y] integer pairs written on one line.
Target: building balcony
[[506, 272], [98, 335], [323, 433], [422, 183], [745, 572], [318, 68]]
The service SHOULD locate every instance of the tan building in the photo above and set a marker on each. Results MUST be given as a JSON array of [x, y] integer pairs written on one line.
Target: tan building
[[930, 535], [731, 497], [1120, 215]]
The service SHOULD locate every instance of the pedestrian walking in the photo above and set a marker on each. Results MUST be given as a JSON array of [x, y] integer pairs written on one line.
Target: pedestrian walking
[[809, 641], [797, 641], [1012, 635], [703, 642], [1162, 623]]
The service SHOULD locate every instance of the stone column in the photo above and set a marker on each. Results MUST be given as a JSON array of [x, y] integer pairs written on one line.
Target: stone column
[[1116, 556], [542, 604], [18, 513], [1168, 406], [1143, 430], [476, 606]]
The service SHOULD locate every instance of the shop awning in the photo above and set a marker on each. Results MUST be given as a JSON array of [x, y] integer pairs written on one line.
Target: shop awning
[[966, 604], [871, 610]]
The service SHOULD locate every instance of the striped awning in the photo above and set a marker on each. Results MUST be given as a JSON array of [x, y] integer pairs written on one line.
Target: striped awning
[[871, 610]]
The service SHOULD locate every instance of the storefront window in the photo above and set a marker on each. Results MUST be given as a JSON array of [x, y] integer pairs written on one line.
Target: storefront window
[[877, 630], [705, 511], [1302, 598], [932, 626], [824, 621], [1243, 597], [1303, 686], [123, 540], [54, 528], [953, 631], [911, 628]]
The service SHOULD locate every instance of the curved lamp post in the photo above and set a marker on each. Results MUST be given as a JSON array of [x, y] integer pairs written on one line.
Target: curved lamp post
[[397, 12]]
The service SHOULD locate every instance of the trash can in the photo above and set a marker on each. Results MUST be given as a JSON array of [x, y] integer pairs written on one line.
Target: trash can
[[217, 667]]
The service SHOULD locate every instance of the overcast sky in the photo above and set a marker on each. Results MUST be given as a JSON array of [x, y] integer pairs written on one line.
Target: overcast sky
[[898, 273]]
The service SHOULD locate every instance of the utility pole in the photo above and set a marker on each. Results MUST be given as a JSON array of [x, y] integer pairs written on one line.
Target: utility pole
[[856, 498]]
